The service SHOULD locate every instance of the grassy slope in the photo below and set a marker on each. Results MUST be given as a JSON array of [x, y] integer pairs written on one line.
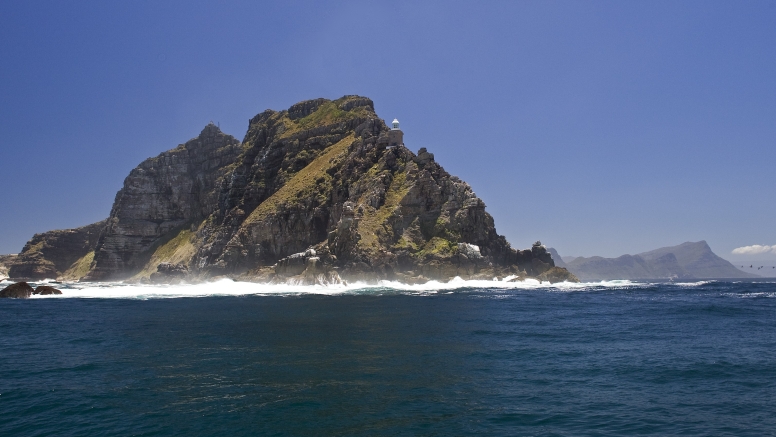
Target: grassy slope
[[79, 269], [179, 249], [306, 183], [372, 227], [326, 114]]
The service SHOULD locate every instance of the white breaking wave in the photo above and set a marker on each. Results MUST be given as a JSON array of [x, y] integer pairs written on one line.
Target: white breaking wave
[[227, 287], [692, 284]]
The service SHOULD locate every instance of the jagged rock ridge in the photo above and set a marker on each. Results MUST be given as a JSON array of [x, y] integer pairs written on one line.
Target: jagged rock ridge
[[315, 188]]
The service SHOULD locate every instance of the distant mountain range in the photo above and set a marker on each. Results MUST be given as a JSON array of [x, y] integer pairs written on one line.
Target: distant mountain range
[[686, 261]]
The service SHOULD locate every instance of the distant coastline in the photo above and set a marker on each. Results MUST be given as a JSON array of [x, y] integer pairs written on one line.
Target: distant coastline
[[686, 261]]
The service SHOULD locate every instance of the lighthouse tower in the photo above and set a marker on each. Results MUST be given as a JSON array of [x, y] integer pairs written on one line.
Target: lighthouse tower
[[395, 135]]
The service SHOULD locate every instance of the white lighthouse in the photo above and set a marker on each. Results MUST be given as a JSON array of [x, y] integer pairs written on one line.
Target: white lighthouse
[[395, 135]]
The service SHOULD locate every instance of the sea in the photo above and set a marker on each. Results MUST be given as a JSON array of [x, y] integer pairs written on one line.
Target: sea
[[462, 358]]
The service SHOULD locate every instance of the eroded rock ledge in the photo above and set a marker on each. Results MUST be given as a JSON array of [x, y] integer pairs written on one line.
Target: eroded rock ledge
[[60, 254]]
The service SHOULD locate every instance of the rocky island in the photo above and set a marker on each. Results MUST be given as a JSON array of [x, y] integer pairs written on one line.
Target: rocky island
[[320, 193]]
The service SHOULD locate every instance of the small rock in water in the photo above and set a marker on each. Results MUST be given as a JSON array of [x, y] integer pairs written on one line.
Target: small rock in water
[[44, 290], [19, 290]]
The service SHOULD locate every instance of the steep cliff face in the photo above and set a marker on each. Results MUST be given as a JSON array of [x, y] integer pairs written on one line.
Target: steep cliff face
[[286, 172], [163, 195], [53, 254], [313, 193]]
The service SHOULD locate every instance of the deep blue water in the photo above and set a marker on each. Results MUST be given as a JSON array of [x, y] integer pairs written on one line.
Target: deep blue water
[[659, 359]]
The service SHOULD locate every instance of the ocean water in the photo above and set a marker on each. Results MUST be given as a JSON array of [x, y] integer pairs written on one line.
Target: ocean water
[[465, 358]]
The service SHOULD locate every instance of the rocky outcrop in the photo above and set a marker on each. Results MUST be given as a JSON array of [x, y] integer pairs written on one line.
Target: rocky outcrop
[[51, 254], [313, 194], [169, 272], [557, 274], [45, 290], [23, 290], [5, 265], [19, 290], [305, 268]]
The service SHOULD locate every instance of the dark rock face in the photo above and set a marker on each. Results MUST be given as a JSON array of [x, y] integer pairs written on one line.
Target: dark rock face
[[169, 272], [50, 254], [313, 194], [162, 194], [172, 269], [44, 290], [278, 200], [19, 290]]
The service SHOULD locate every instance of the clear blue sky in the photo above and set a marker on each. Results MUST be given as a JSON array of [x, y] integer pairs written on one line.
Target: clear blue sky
[[601, 128]]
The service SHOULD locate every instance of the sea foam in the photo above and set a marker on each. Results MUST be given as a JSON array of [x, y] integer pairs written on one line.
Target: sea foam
[[227, 287]]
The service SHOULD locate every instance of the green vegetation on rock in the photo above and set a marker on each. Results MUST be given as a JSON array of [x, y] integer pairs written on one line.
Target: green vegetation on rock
[[437, 246], [80, 268], [178, 250], [328, 113], [373, 222], [313, 181]]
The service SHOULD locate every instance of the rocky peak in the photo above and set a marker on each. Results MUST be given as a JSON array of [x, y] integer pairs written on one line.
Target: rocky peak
[[305, 108], [210, 130], [162, 195]]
